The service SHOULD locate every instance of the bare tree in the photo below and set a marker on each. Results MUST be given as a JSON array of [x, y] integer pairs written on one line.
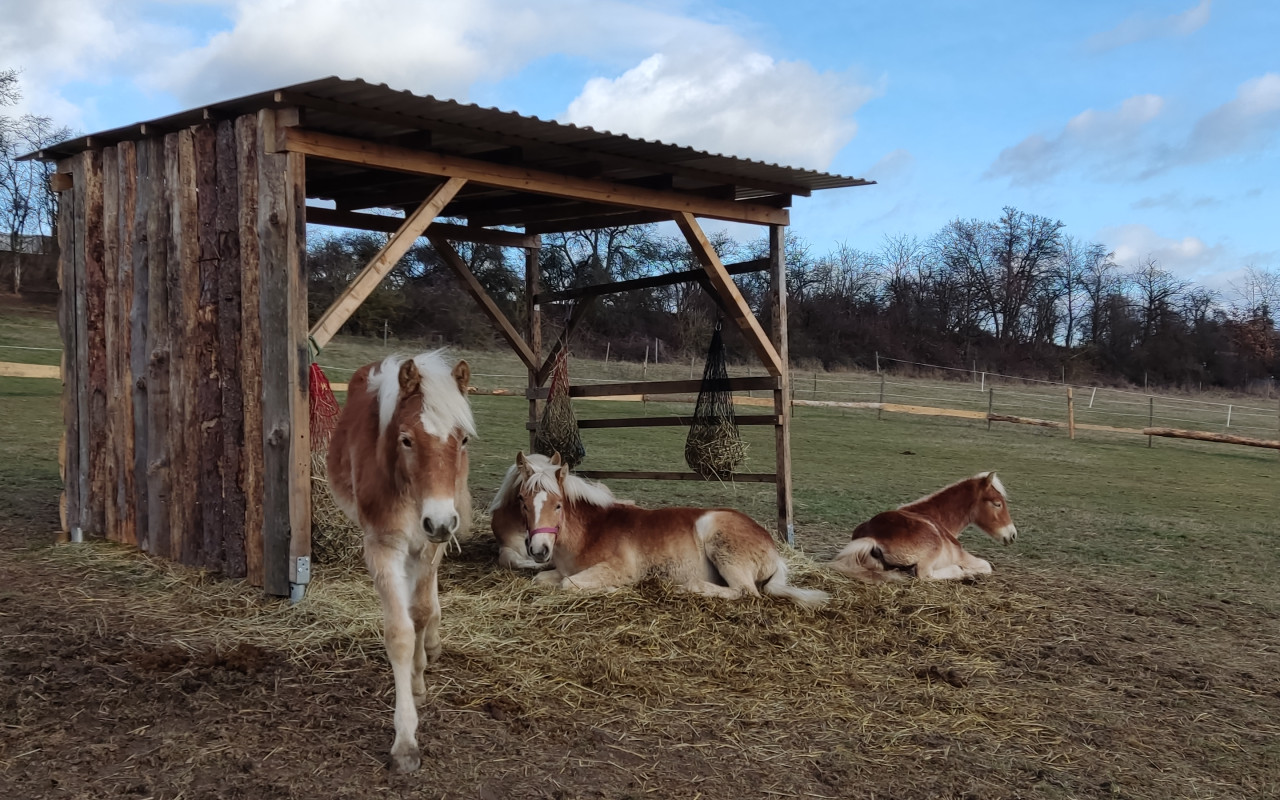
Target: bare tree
[[1157, 292]]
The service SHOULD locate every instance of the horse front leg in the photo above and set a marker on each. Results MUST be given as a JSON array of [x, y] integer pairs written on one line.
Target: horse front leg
[[389, 577], [426, 622]]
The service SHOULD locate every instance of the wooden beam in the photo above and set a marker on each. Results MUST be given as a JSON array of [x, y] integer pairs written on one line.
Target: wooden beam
[[606, 475], [355, 151], [782, 394], [533, 331], [11, 370], [1206, 436], [588, 223], [651, 282], [760, 382], [725, 287], [457, 233], [665, 422], [369, 278], [1043, 423], [490, 308]]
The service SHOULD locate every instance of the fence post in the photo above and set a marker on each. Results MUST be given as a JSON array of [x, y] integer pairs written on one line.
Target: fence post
[[1228, 415], [983, 386], [880, 410], [607, 345], [991, 401], [1095, 394], [1071, 414], [1151, 415], [644, 370], [877, 362], [815, 384]]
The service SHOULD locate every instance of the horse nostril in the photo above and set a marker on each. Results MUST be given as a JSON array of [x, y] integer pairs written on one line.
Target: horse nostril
[[426, 524], [454, 522]]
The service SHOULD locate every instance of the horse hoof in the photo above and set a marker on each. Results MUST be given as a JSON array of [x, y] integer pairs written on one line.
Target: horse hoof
[[406, 762]]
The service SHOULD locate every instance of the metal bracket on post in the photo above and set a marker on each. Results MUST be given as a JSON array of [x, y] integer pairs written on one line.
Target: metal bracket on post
[[298, 588]]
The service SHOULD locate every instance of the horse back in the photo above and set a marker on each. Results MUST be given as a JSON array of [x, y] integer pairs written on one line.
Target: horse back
[[894, 527], [354, 439]]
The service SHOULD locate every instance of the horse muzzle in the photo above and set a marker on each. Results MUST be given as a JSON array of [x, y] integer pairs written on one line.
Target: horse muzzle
[[440, 531], [1008, 535]]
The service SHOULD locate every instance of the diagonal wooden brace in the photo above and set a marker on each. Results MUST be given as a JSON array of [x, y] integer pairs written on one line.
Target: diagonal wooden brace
[[575, 316], [490, 308], [377, 268], [734, 302]]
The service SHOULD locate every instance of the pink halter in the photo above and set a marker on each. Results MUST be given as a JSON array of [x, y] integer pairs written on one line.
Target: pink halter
[[554, 531]]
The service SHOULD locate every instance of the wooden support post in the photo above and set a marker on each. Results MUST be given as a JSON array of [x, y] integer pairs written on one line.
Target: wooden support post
[[880, 410], [134, 184], [369, 278], [781, 394], [1151, 410], [247, 149], [230, 323], [1071, 414], [533, 330], [159, 479], [991, 401], [70, 504], [728, 291]]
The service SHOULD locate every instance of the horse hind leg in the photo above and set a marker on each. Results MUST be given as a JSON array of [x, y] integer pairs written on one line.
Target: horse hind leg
[[865, 560]]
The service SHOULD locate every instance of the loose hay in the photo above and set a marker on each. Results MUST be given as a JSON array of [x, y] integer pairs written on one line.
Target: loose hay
[[335, 539], [886, 677]]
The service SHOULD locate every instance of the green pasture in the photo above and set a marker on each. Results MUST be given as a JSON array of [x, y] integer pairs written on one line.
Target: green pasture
[[1192, 519]]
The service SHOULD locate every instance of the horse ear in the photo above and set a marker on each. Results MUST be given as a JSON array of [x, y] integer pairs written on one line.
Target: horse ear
[[563, 473], [521, 461], [410, 378], [989, 479], [462, 374], [555, 459]]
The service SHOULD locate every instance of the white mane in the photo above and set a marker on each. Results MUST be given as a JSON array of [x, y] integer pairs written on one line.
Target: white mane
[[543, 477], [443, 406], [995, 483]]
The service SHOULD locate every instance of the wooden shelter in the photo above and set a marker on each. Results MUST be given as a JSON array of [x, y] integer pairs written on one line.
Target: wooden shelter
[[184, 289]]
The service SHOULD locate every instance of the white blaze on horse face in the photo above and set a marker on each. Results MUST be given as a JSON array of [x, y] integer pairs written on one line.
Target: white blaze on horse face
[[539, 544]]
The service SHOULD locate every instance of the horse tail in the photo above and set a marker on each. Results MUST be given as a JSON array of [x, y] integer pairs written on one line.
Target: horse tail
[[864, 559], [777, 586]]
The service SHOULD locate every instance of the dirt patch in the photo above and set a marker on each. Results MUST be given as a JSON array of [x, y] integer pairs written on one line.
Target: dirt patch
[[115, 681]]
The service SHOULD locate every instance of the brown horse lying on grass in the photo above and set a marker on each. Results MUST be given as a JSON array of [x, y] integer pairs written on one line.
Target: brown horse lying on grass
[[595, 542], [918, 540]]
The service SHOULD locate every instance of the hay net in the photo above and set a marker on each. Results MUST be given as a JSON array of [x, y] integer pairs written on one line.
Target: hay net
[[324, 409], [715, 447], [558, 428]]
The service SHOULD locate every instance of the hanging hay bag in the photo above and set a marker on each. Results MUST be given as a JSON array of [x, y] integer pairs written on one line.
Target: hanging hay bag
[[715, 448], [558, 428]]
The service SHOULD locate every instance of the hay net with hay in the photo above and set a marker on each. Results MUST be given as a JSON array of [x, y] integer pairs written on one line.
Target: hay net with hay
[[335, 539], [558, 427], [714, 448]]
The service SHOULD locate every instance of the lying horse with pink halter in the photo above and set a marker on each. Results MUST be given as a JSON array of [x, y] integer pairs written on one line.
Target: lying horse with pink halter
[[398, 468], [594, 542], [919, 540]]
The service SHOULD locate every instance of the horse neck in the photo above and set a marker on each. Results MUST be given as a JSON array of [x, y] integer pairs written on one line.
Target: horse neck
[[577, 525], [952, 508]]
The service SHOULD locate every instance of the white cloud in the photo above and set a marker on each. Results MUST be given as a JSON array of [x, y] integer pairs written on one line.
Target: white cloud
[[1141, 28], [723, 97], [1188, 257], [1176, 201], [893, 167], [1249, 121], [1099, 139]]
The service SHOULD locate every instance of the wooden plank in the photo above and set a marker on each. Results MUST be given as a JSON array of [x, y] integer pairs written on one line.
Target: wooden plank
[[456, 233], [651, 282], [533, 332], [133, 241], [594, 221], [759, 382], [478, 293], [229, 321], [184, 301], [207, 416], [1207, 436], [782, 394], [603, 475], [111, 342], [83, 519], [159, 456], [95, 290], [68, 326], [1043, 423], [660, 422], [247, 148], [728, 291], [282, 305], [401, 159], [363, 285], [9, 369]]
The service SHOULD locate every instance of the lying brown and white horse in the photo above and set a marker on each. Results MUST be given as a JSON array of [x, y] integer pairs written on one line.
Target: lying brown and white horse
[[398, 468], [919, 539], [595, 542], [507, 519]]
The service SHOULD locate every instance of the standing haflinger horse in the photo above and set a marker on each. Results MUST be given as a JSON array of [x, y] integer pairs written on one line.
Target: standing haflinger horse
[[398, 468], [507, 520], [918, 540], [595, 542]]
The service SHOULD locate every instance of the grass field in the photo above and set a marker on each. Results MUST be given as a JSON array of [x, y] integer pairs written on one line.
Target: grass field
[[1127, 646]]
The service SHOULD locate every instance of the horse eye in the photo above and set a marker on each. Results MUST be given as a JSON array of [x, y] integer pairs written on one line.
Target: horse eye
[[465, 439], [406, 441], [557, 506]]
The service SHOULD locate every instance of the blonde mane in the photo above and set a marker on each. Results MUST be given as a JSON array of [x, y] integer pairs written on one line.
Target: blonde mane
[[444, 408], [543, 477]]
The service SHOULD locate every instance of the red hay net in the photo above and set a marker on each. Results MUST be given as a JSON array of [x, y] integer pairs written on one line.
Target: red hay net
[[324, 409]]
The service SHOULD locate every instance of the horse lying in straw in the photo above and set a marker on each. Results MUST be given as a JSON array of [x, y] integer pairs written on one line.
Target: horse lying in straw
[[398, 468], [595, 542], [507, 520], [918, 540]]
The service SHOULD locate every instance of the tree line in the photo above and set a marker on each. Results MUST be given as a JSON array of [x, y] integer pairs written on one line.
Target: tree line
[[1016, 294]]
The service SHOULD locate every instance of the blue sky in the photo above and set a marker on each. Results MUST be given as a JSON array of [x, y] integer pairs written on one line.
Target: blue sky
[[1152, 127]]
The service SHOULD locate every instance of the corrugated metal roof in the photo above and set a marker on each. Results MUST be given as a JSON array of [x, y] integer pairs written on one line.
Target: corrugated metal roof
[[358, 109]]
